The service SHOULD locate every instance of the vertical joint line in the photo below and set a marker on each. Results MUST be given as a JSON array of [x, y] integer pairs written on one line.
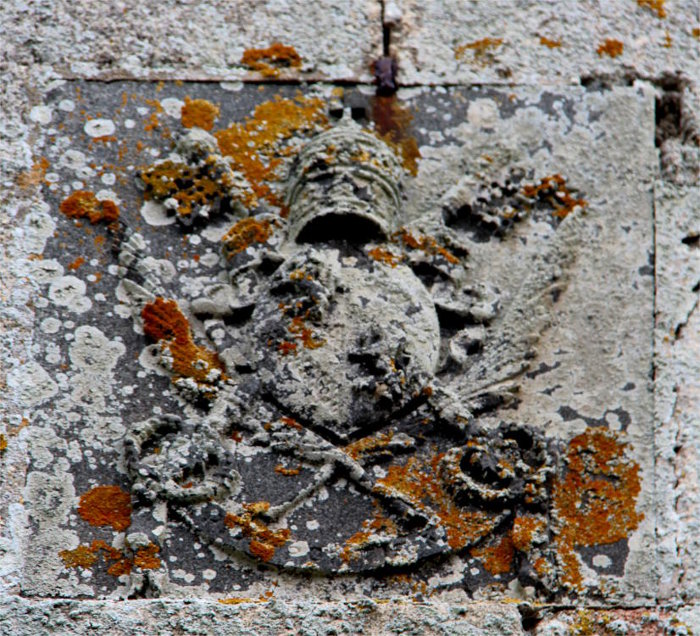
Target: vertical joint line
[[386, 34]]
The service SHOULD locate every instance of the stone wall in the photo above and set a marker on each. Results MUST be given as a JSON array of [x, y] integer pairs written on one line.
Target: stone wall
[[471, 408]]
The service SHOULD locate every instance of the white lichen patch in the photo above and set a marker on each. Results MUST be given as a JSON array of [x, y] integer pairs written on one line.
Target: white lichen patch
[[73, 159], [38, 227], [95, 357], [66, 105], [298, 549], [483, 113], [156, 214], [32, 384], [46, 271], [93, 352], [41, 115], [99, 127], [50, 325], [69, 292], [172, 106]]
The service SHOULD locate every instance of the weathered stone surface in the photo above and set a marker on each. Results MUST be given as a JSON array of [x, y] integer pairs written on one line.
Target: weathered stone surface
[[45, 44], [334, 40], [22, 616], [543, 43], [288, 400], [661, 622]]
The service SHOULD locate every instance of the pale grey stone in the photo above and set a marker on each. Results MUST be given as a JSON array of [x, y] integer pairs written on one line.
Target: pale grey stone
[[500, 41], [45, 43], [35, 617]]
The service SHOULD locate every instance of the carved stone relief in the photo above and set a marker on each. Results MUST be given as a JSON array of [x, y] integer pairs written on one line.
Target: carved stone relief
[[337, 335]]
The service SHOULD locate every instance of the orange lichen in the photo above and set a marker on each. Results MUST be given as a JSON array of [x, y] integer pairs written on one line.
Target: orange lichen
[[263, 551], [418, 482], [595, 500], [287, 472], [153, 122], [612, 48], [656, 6], [291, 422], [287, 348], [384, 256], [199, 112], [166, 324], [263, 540], [497, 557], [552, 44], [86, 556], [270, 60], [106, 506], [371, 528], [300, 274], [76, 263], [13, 431], [237, 600], [146, 559], [297, 327], [696, 32], [524, 531], [191, 187], [244, 233], [3, 443], [254, 146], [35, 175], [553, 190], [82, 557], [480, 47], [392, 124], [84, 203], [668, 42], [303, 333], [368, 444], [426, 244]]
